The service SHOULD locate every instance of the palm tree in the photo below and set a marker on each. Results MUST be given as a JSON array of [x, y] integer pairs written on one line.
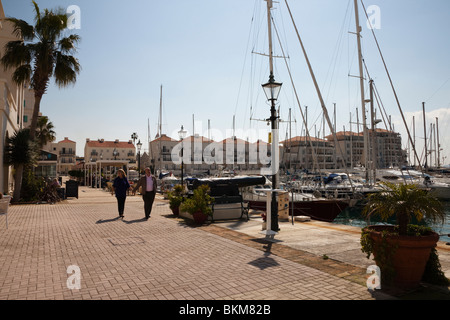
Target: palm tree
[[42, 53], [19, 152], [45, 132], [404, 201]]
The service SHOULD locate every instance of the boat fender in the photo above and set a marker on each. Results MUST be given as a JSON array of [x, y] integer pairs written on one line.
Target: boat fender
[[317, 194]]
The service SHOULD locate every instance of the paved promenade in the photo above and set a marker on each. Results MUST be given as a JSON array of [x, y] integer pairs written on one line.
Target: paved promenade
[[165, 258]]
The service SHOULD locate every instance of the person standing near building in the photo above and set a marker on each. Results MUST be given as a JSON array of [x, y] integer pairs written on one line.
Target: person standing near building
[[119, 188], [148, 191]]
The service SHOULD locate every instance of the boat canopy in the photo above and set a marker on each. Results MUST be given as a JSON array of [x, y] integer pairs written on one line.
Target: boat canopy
[[239, 181]]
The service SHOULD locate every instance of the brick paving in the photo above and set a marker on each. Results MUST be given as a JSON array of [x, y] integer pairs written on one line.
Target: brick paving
[[163, 258]]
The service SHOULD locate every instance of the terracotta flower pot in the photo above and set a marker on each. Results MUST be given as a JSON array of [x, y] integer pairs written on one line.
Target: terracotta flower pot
[[199, 217], [175, 211], [411, 254]]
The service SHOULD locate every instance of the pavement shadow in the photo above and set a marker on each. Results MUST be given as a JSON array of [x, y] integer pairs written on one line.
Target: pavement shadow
[[107, 220], [135, 221], [265, 261]]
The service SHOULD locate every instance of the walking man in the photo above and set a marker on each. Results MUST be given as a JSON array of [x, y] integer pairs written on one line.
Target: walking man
[[148, 191]]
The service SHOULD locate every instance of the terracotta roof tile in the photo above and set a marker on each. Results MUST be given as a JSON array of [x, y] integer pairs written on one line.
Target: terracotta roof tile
[[66, 140], [109, 144]]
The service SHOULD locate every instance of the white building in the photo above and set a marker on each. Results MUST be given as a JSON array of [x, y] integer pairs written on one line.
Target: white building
[[97, 150], [65, 151], [12, 101]]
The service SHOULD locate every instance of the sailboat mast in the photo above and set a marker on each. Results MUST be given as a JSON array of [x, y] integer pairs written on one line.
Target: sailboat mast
[[269, 24], [160, 130], [425, 133], [361, 80], [414, 136], [274, 122], [290, 138], [322, 103], [438, 144], [150, 146], [374, 134], [351, 142]]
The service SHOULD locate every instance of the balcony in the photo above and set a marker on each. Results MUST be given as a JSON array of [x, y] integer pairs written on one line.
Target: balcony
[[68, 153]]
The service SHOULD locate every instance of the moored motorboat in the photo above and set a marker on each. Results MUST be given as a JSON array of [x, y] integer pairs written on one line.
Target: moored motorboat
[[318, 208]]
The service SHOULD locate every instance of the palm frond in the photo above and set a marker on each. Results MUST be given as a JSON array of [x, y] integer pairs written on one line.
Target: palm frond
[[51, 25], [22, 74], [17, 53], [37, 11], [66, 69], [404, 200], [67, 44], [44, 131], [19, 148], [21, 29]]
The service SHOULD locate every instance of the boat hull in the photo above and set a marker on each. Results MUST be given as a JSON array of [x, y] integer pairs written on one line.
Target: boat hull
[[322, 210], [442, 193]]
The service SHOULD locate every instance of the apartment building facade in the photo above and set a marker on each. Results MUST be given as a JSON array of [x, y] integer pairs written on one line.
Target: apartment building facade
[[203, 155], [384, 144], [312, 154], [65, 151], [100, 149]]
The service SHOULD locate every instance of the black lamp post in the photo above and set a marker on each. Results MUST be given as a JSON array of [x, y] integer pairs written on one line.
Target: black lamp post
[[139, 146], [182, 135], [272, 90]]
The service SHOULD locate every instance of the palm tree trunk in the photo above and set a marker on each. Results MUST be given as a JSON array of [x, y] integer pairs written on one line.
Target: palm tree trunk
[[402, 221], [20, 167], [34, 119], [18, 182]]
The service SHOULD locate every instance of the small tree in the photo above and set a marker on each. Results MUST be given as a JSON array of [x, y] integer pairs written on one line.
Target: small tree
[[175, 196], [404, 201], [199, 202], [19, 152], [44, 131]]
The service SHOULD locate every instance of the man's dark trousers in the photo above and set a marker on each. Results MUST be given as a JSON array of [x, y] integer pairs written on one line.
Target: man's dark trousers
[[148, 197]]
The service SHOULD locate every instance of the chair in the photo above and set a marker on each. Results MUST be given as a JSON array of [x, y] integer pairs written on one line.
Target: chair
[[4, 205]]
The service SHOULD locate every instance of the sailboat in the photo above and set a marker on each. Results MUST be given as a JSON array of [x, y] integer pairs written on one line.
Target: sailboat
[[300, 204], [440, 190]]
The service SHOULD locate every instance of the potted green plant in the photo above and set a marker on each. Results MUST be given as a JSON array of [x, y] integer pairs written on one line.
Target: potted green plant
[[175, 197], [199, 205], [402, 250]]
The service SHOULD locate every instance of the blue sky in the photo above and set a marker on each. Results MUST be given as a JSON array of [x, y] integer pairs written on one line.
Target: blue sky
[[200, 52]]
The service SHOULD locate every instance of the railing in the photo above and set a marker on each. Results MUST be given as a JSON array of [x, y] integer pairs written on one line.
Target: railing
[[68, 153]]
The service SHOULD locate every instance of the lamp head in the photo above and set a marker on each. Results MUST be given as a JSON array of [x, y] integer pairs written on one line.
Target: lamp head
[[272, 88]]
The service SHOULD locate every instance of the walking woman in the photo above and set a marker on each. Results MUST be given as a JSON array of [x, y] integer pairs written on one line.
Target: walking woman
[[120, 187]]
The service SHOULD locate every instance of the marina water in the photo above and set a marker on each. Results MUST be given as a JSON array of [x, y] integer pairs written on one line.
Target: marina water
[[352, 216]]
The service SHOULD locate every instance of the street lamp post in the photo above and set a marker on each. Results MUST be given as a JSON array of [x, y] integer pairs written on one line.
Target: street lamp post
[[272, 90], [182, 135], [139, 146], [134, 137]]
